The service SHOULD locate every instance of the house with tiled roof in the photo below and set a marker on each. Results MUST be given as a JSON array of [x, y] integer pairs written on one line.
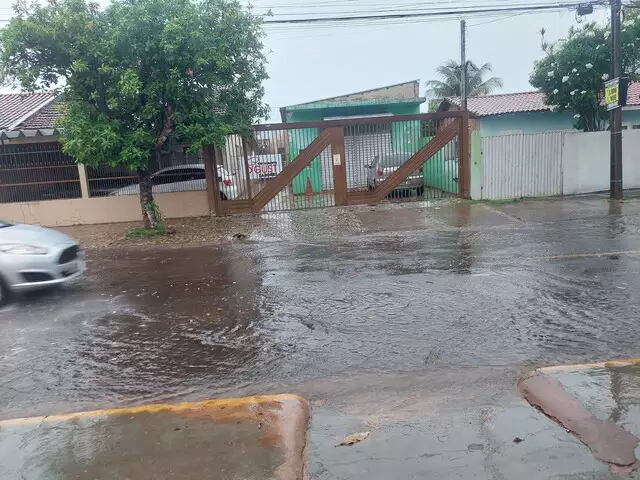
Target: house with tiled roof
[[28, 117], [527, 112]]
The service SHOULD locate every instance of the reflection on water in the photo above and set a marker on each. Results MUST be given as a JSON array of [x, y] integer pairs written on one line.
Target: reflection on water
[[248, 317]]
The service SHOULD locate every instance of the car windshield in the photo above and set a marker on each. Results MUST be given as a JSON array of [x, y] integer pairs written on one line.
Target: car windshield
[[393, 160]]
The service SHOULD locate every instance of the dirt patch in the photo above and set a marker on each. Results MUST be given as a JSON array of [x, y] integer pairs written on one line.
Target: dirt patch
[[200, 230]]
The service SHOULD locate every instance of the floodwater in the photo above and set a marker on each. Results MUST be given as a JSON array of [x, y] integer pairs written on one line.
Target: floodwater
[[515, 286]]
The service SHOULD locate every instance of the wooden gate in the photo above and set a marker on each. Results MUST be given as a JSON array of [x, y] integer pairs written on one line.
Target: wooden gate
[[305, 165]]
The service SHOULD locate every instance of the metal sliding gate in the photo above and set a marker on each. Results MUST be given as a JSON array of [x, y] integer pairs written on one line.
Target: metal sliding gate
[[292, 166]]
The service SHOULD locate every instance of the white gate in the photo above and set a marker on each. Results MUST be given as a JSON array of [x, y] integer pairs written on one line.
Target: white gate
[[522, 165]]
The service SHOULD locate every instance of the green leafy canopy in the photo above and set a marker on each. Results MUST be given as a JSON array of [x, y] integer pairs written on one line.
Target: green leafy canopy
[[574, 69], [140, 75]]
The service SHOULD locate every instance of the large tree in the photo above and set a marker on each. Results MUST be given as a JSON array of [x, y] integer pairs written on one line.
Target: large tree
[[140, 75], [450, 84], [574, 69]]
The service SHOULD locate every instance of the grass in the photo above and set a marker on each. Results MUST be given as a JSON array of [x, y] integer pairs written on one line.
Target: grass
[[147, 232]]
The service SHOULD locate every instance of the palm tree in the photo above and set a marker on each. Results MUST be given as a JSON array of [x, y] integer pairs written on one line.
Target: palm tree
[[450, 85]]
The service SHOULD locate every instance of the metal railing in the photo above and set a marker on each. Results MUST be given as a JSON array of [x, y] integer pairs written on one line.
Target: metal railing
[[172, 172], [39, 171], [372, 149]]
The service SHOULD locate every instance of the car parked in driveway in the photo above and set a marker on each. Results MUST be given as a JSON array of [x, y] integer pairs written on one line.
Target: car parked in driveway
[[183, 178], [384, 165], [33, 258]]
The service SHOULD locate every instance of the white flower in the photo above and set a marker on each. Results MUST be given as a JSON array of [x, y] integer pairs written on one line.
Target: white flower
[[576, 116], [555, 91], [574, 70], [565, 79], [605, 77], [551, 73], [589, 66], [607, 34], [583, 92], [573, 92], [597, 47]]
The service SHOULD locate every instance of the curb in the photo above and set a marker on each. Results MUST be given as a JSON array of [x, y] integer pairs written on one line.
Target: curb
[[607, 441], [285, 418]]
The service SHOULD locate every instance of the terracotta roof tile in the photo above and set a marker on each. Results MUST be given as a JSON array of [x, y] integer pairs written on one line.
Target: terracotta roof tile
[[504, 103], [524, 102], [633, 94], [14, 106], [46, 117]]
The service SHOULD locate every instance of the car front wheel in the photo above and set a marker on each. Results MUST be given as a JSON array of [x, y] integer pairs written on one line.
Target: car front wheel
[[5, 293]]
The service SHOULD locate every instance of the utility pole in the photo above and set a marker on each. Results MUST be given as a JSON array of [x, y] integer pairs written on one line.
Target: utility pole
[[616, 114], [463, 64]]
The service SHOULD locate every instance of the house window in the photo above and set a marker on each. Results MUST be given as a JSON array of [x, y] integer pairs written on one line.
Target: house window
[[635, 127], [625, 127]]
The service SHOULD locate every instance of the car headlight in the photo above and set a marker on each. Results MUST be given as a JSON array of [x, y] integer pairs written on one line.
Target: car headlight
[[23, 249]]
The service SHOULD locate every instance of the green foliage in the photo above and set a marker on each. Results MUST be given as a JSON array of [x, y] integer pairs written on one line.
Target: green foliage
[[157, 231], [140, 75], [574, 69], [451, 84]]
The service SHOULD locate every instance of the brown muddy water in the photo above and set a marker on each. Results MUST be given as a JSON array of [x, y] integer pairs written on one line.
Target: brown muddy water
[[265, 316]]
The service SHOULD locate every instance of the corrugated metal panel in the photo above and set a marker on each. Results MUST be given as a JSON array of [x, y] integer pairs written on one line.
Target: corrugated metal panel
[[524, 165]]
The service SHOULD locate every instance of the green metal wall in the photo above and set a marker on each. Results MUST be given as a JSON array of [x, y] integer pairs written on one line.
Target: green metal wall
[[405, 136]]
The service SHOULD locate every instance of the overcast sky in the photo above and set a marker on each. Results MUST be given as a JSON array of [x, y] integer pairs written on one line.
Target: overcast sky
[[312, 61]]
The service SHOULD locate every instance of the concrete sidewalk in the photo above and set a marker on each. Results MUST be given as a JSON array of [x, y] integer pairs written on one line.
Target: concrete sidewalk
[[254, 438], [457, 424]]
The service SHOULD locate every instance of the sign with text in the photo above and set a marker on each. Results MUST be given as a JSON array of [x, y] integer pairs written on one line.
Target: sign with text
[[264, 166], [615, 93]]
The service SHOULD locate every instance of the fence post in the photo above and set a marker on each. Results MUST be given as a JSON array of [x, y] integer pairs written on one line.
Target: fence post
[[339, 166], [464, 162], [84, 183], [210, 173], [247, 175]]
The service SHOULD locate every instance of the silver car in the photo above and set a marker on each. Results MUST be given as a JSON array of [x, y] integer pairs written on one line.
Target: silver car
[[184, 178], [33, 257], [383, 166]]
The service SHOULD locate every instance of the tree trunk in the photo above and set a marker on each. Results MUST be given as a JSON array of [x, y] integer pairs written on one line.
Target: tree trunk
[[149, 214]]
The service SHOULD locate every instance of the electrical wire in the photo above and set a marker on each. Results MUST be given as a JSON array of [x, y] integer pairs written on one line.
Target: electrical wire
[[443, 13]]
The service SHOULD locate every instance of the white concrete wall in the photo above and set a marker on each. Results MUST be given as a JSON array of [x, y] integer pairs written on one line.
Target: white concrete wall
[[555, 163], [586, 159]]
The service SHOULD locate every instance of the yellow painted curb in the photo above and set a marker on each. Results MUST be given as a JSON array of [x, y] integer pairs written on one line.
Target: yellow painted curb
[[584, 366], [155, 408]]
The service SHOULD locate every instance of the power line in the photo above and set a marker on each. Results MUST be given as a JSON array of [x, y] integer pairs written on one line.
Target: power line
[[443, 13]]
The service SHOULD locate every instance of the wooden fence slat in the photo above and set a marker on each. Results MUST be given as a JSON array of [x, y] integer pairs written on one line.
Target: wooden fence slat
[[288, 173], [443, 137]]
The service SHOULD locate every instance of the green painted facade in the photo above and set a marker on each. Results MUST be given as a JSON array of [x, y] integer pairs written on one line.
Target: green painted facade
[[405, 135]]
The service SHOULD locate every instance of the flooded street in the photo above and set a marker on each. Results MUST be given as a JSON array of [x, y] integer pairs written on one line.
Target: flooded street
[[506, 288]]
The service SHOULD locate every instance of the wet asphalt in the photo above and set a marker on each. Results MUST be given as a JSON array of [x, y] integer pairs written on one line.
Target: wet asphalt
[[454, 301]]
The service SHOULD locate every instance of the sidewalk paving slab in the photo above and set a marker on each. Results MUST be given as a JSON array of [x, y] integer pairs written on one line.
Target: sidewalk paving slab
[[252, 438]]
